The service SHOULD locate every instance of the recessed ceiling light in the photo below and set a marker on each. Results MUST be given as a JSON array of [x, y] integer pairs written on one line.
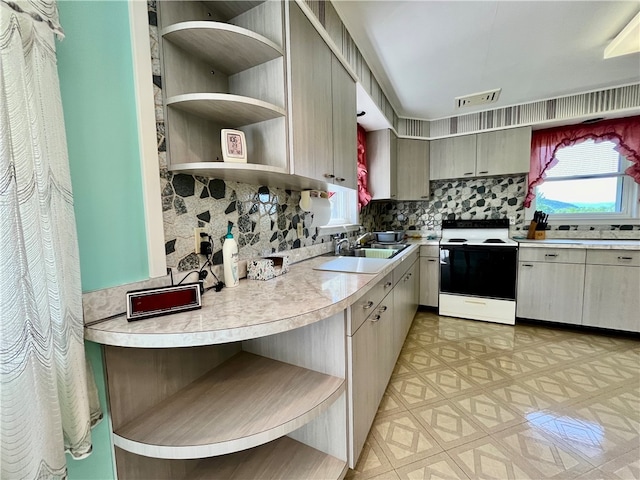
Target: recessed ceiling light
[[627, 41]]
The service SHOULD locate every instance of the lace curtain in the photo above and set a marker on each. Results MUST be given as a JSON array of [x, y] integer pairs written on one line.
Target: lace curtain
[[44, 393], [624, 132]]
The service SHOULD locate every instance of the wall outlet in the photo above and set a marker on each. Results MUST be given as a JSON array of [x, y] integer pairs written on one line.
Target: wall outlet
[[512, 220], [300, 229], [197, 238]]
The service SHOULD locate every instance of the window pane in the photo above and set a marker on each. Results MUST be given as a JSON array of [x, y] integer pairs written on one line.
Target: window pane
[[586, 158], [596, 195]]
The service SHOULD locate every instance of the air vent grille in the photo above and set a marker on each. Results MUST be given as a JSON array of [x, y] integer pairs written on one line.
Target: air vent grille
[[481, 98]]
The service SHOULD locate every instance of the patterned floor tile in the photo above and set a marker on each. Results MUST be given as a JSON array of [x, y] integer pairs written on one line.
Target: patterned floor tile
[[449, 382], [509, 365], [419, 360], [437, 467], [626, 466], [448, 424], [554, 388], [413, 391], [480, 373], [448, 352], [526, 402], [487, 458], [489, 412], [403, 439], [551, 458], [390, 404], [582, 379], [372, 461]]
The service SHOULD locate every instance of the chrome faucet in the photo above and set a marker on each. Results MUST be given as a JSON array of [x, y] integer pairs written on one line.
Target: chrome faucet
[[339, 243], [359, 240]]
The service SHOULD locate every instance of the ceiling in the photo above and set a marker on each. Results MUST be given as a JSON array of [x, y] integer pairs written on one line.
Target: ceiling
[[426, 53]]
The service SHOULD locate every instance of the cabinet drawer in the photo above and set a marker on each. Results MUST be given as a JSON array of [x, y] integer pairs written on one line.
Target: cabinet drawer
[[627, 258], [367, 304], [430, 251], [405, 265], [552, 255]]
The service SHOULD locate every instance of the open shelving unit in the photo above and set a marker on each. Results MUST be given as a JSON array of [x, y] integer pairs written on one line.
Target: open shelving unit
[[223, 66]]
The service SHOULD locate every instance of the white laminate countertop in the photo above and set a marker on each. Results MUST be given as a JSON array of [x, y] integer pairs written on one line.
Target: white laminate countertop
[[253, 309], [582, 243]]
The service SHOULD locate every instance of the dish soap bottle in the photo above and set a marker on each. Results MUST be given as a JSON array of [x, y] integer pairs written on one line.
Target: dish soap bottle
[[230, 259]]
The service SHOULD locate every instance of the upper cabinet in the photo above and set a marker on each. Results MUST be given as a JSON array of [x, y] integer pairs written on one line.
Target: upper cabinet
[[382, 148], [223, 67], [502, 152], [323, 108], [413, 169]]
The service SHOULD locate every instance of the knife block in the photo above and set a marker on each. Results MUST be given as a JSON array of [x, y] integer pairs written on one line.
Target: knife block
[[540, 235], [531, 234]]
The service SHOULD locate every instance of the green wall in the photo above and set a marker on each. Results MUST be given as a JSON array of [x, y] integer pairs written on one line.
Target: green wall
[[96, 83]]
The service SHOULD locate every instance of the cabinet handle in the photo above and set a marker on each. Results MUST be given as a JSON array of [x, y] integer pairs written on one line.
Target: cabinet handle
[[375, 318], [394, 195], [382, 309], [424, 196], [625, 258], [484, 171], [527, 265], [387, 285], [329, 175], [468, 173], [475, 302], [431, 260], [551, 255], [368, 305], [340, 179]]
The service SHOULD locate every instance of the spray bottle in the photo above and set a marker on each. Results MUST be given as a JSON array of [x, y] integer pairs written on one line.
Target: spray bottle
[[230, 259]]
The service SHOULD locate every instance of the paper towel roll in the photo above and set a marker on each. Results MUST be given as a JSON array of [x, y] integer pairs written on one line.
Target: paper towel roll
[[321, 209]]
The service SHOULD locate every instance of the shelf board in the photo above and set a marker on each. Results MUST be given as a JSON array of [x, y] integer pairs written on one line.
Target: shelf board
[[228, 48], [250, 173], [247, 401], [282, 458], [233, 8], [232, 110]]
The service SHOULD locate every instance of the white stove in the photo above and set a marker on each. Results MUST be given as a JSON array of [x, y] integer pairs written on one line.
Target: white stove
[[478, 264]]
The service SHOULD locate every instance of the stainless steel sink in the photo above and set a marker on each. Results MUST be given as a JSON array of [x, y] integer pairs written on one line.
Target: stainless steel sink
[[373, 251], [354, 265]]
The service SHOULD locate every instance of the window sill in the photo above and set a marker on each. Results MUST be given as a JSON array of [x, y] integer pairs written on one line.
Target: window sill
[[333, 229]]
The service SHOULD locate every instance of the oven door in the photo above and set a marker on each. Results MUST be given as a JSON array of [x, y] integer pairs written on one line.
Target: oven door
[[479, 271]]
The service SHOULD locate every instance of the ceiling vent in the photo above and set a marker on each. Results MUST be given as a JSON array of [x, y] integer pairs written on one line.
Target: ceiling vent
[[481, 98]]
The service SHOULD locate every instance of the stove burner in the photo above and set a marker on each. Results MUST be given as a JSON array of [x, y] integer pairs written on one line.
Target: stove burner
[[457, 240], [493, 240]]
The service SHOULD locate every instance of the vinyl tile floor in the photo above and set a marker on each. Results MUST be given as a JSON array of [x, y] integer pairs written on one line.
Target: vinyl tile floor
[[478, 400]]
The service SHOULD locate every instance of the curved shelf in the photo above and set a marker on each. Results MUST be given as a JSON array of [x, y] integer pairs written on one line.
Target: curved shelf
[[282, 458], [232, 110], [229, 48], [247, 401]]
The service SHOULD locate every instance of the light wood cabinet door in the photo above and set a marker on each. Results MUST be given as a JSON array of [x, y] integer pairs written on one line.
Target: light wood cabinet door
[[311, 113], [382, 162], [385, 348], [611, 297], [550, 291], [344, 126], [429, 280], [453, 157], [413, 169], [363, 379], [503, 152]]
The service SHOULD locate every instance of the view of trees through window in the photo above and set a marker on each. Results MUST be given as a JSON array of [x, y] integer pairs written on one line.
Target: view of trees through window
[[587, 179]]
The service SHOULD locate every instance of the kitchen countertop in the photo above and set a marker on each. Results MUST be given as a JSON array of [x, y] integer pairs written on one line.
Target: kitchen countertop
[[253, 309], [582, 243]]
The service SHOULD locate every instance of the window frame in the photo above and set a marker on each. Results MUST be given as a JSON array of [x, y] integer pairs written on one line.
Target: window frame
[[629, 213]]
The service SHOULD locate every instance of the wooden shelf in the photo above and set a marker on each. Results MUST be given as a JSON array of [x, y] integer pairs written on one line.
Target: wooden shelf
[[233, 8], [247, 401], [232, 110], [248, 173], [282, 458], [228, 48]]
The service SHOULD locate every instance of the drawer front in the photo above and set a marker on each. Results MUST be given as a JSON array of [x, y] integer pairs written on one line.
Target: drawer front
[[430, 251], [552, 255], [367, 304], [627, 258], [404, 266]]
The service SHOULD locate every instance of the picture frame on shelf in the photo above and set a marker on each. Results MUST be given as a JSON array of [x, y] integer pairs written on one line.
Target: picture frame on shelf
[[234, 146]]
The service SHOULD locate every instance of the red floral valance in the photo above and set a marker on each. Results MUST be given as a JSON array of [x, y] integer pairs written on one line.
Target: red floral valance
[[364, 197], [624, 132]]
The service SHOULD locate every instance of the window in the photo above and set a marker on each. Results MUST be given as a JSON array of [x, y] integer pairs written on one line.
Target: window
[[343, 206], [588, 185]]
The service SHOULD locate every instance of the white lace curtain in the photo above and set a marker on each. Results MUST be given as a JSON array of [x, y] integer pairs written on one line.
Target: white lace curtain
[[45, 402]]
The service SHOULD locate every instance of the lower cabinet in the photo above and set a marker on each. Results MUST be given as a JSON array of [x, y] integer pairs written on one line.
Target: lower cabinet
[[429, 275], [592, 287], [374, 345]]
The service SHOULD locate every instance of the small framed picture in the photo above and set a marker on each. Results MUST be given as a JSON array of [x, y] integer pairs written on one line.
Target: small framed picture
[[234, 146]]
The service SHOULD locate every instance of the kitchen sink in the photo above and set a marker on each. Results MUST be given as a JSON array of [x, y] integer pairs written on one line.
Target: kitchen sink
[[373, 251], [354, 265]]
